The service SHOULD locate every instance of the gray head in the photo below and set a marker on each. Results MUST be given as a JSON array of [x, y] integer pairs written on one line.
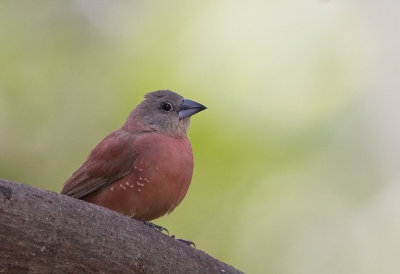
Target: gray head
[[166, 111]]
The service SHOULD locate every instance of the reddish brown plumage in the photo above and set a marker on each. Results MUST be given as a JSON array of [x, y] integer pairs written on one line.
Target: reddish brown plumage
[[143, 169]]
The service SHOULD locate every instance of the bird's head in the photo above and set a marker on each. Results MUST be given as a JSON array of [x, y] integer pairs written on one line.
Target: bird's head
[[166, 111]]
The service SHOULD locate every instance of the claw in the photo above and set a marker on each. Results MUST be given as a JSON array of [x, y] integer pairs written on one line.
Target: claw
[[156, 227], [189, 243]]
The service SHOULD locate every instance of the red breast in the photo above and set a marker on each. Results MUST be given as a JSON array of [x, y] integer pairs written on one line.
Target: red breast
[[159, 180]]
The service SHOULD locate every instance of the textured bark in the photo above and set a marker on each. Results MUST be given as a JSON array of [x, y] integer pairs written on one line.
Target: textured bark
[[41, 231]]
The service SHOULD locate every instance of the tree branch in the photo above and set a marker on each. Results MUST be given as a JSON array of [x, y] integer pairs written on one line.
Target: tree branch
[[41, 231]]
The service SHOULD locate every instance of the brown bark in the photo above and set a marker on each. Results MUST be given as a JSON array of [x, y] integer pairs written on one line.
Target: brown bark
[[42, 232]]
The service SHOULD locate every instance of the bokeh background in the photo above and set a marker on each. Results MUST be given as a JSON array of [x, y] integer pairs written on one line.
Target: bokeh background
[[297, 156]]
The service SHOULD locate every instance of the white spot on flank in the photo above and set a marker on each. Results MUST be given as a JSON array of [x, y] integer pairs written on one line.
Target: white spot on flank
[[131, 186], [140, 178], [139, 189], [127, 183], [120, 185], [112, 188], [140, 169], [137, 182]]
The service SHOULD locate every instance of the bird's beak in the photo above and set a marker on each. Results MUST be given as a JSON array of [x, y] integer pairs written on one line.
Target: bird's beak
[[189, 107]]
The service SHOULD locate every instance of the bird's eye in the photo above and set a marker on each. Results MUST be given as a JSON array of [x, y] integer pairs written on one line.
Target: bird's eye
[[167, 106]]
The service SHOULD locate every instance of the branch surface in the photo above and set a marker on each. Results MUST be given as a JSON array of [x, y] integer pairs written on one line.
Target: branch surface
[[41, 231]]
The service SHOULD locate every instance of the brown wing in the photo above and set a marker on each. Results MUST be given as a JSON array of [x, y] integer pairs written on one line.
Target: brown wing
[[110, 160]]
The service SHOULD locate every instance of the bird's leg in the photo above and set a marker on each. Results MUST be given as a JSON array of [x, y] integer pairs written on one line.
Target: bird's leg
[[161, 229], [189, 243], [157, 227]]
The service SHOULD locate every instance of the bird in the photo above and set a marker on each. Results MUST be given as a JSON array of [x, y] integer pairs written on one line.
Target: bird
[[143, 169]]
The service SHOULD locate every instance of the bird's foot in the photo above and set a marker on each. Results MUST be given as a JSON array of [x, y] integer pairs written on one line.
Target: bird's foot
[[189, 243], [156, 227]]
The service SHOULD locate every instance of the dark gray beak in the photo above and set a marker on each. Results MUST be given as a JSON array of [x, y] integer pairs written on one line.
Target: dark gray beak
[[189, 107]]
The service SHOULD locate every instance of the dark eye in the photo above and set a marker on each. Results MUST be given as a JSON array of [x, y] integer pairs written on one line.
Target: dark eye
[[167, 106]]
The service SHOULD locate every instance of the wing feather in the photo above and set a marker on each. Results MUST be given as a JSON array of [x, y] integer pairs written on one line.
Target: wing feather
[[109, 161]]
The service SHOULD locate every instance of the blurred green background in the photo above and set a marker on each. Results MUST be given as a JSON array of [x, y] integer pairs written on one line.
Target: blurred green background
[[296, 158]]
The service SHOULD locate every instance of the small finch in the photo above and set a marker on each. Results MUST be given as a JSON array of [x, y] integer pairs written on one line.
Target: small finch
[[143, 169]]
